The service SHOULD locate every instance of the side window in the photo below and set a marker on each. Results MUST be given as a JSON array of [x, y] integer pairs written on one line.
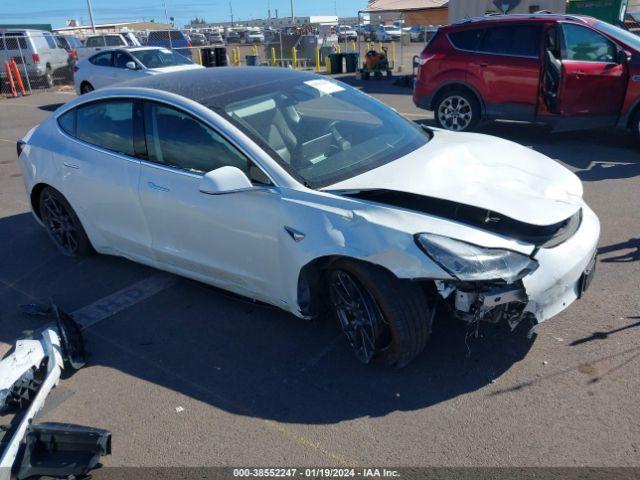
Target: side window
[[466, 39], [121, 59], [67, 122], [582, 43], [102, 59], [50, 40], [520, 40], [114, 41], [178, 140], [1, 42], [95, 42], [107, 124]]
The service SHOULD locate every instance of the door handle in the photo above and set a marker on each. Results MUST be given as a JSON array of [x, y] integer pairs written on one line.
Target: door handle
[[483, 64], [71, 165], [157, 187]]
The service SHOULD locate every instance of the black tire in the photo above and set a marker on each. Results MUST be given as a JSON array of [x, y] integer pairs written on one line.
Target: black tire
[[48, 77], [406, 313], [85, 87], [454, 107], [62, 224]]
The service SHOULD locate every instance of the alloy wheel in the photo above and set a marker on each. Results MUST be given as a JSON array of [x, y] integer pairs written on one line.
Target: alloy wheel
[[455, 113], [359, 315], [60, 224]]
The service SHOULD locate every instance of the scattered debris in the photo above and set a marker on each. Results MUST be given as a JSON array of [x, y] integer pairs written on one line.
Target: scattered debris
[[179, 409], [63, 450], [26, 378], [544, 362]]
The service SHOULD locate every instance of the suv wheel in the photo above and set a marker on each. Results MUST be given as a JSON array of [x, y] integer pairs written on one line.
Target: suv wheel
[[457, 111], [384, 318], [86, 87]]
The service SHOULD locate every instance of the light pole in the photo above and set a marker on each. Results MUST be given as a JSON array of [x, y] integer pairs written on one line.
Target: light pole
[[93, 25], [293, 15]]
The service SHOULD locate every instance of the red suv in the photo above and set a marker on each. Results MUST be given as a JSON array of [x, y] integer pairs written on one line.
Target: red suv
[[571, 72]]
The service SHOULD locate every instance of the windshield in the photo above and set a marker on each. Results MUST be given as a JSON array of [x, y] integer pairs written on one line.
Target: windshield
[[618, 33], [160, 58], [322, 131]]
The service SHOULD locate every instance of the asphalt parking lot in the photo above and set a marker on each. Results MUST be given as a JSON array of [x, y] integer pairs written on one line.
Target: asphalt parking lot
[[187, 375]]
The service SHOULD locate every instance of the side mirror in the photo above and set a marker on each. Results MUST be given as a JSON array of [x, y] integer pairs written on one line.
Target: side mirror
[[131, 65], [224, 180], [622, 57]]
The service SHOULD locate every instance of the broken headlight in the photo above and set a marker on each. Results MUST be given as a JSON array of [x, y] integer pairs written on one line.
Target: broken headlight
[[472, 263]]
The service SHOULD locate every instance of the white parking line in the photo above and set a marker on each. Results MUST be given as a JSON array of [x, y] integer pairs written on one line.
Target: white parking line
[[121, 300], [8, 141]]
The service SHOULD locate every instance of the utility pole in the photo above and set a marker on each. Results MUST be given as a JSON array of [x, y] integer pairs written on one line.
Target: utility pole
[[93, 25], [231, 12], [293, 15]]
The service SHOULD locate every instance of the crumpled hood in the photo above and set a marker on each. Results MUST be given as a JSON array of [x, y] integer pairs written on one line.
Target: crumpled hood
[[482, 171]]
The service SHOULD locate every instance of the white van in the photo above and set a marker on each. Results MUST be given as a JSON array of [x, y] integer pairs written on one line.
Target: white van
[[35, 50]]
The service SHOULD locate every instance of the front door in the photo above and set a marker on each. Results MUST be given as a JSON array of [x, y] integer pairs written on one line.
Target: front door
[[229, 240], [593, 81]]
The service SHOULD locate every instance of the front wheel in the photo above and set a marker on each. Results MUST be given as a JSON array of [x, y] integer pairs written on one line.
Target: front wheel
[[458, 111], [383, 318], [86, 87]]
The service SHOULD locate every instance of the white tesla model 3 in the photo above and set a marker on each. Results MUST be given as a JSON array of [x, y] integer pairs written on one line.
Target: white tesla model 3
[[300, 191]]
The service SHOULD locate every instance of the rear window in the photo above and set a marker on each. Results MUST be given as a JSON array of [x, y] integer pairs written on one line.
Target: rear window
[[466, 39], [163, 35], [50, 40], [107, 124], [520, 40], [15, 41]]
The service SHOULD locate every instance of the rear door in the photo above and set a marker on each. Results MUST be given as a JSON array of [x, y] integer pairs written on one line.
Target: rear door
[[507, 66], [120, 72], [101, 73], [593, 83]]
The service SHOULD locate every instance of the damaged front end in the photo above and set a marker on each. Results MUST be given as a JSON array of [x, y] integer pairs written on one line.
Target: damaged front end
[[488, 281], [489, 302]]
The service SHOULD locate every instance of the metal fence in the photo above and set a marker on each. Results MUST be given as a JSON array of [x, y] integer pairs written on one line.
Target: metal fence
[[33, 60]]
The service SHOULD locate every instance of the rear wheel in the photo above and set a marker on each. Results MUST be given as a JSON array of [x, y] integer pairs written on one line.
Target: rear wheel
[[86, 87], [635, 124], [48, 77], [62, 224], [457, 110], [383, 318]]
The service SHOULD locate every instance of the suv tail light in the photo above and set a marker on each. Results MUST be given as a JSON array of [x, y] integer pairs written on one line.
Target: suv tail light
[[427, 57], [73, 54], [36, 58], [188, 43], [75, 68]]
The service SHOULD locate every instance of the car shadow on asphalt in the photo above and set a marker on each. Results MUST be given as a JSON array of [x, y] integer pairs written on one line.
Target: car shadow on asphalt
[[51, 107], [238, 355]]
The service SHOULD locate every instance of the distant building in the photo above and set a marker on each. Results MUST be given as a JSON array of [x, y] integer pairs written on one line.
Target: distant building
[[459, 9], [277, 22], [410, 12], [113, 28], [28, 26]]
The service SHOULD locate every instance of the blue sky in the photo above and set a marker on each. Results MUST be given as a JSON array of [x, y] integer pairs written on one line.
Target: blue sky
[[57, 12]]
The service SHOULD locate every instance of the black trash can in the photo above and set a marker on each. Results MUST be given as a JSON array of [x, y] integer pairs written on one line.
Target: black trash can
[[252, 60], [351, 62], [208, 59], [220, 56], [335, 60]]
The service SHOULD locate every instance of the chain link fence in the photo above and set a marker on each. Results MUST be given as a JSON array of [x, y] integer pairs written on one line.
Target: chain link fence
[[35, 60]]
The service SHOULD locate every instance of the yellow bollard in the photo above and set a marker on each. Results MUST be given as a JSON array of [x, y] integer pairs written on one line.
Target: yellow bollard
[[273, 56], [328, 64], [294, 57], [338, 50], [199, 56], [393, 52], [238, 55], [317, 59], [254, 49], [380, 46], [353, 46]]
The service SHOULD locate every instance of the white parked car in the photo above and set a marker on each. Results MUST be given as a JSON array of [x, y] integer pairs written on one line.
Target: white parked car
[[254, 36], [116, 65], [388, 33], [305, 193]]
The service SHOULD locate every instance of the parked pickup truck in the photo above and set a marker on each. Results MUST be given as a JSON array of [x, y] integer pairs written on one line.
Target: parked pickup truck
[[96, 43]]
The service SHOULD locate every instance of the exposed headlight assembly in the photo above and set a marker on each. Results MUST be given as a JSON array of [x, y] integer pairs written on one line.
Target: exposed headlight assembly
[[472, 263]]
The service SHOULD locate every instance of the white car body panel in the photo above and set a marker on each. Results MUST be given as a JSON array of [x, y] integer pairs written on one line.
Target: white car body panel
[[463, 167], [239, 241]]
